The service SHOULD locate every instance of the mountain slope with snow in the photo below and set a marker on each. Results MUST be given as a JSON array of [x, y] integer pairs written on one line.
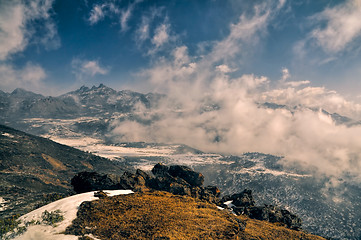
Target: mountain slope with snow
[[67, 208]]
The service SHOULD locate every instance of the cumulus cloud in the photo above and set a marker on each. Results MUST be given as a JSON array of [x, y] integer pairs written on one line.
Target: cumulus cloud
[[340, 25], [87, 68], [29, 77], [209, 109]]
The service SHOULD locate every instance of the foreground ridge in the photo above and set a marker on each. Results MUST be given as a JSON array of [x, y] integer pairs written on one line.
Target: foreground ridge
[[171, 203]]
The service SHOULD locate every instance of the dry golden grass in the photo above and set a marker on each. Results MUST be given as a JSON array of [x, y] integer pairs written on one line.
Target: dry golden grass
[[265, 230], [56, 164], [161, 215]]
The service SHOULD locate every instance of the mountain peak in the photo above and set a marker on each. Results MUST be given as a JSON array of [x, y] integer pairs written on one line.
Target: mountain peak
[[22, 93]]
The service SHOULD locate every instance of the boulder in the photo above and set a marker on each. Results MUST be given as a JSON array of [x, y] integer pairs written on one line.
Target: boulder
[[210, 194], [92, 181], [274, 214], [244, 204], [242, 199], [186, 173], [160, 170]]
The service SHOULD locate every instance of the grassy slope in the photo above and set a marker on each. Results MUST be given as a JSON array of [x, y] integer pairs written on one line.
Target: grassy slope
[[161, 215]]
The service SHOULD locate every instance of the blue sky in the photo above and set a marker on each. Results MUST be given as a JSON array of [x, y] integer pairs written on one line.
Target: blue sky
[[54, 46]]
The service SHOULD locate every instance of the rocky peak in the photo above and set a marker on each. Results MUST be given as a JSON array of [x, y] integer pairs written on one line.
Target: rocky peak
[[21, 93]]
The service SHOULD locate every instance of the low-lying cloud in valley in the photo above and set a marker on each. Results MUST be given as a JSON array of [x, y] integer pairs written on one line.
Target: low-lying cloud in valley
[[211, 108]]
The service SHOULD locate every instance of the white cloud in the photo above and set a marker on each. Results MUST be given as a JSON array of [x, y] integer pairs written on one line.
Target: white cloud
[[12, 37], [110, 9], [161, 35], [297, 83], [96, 14], [145, 28], [142, 33], [224, 68], [285, 74], [214, 111], [100, 11], [244, 31], [124, 17], [342, 26], [17, 31], [87, 68], [30, 77]]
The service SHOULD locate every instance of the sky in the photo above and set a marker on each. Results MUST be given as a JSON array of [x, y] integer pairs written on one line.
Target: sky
[[217, 61], [54, 46]]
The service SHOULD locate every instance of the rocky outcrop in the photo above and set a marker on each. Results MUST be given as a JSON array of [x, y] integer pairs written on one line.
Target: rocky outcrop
[[243, 199], [187, 174], [92, 181], [182, 180], [243, 204], [274, 214]]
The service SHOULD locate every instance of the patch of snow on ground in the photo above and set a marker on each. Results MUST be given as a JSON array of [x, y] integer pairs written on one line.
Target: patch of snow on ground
[[2, 204], [68, 207], [262, 170], [97, 147], [8, 135]]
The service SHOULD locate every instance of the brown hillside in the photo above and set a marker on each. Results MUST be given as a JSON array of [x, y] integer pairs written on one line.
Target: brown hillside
[[162, 215]]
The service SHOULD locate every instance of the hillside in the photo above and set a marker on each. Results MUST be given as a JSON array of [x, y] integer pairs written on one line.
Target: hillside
[[161, 215], [32, 168]]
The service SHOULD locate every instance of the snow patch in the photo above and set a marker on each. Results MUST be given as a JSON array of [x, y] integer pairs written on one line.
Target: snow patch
[[8, 135], [68, 207], [258, 170], [2, 204]]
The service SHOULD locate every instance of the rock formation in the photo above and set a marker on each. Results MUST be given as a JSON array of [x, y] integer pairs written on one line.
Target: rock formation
[[182, 180]]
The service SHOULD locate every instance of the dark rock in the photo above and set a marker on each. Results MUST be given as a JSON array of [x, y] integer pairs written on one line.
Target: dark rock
[[274, 214], [160, 170], [143, 174], [245, 205], [131, 181], [179, 189], [243, 199], [186, 173], [210, 194], [100, 194], [213, 190], [91, 181]]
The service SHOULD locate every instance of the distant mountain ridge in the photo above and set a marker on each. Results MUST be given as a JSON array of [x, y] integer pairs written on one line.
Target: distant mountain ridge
[[102, 105], [82, 102]]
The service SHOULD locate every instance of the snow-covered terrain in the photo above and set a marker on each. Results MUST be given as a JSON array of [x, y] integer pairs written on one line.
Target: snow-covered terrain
[[68, 208]]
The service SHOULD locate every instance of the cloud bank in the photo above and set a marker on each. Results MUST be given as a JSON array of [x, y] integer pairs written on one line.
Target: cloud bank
[[211, 109]]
